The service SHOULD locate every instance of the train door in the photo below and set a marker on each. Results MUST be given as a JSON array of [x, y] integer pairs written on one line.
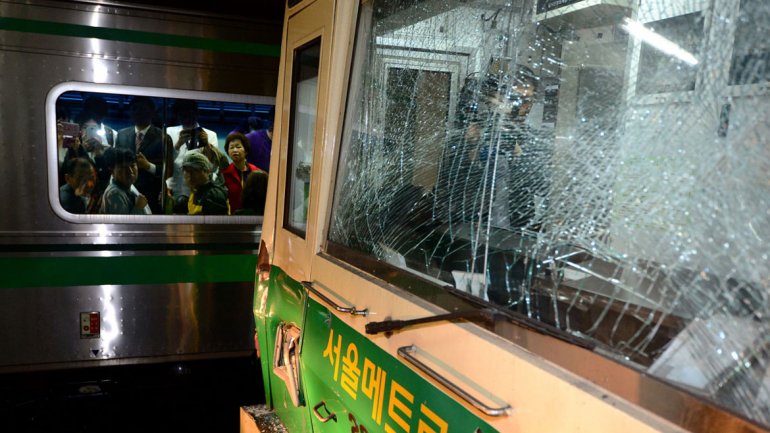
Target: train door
[[290, 229]]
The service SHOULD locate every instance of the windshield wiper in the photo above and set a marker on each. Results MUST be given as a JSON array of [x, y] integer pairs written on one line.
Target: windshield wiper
[[487, 314]]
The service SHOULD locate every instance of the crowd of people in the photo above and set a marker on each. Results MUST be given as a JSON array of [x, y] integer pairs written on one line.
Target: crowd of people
[[143, 169]]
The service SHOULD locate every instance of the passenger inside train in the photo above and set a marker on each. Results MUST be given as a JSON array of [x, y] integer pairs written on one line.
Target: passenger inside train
[[208, 195], [80, 179], [254, 194], [153, 149], [88, 143], [259, 132], [189, 136], [137, 116], [98, 107], [121, 196], [238, 148]]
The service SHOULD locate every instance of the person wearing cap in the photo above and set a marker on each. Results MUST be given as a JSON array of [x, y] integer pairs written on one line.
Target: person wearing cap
[[190, 136], [207, 197]]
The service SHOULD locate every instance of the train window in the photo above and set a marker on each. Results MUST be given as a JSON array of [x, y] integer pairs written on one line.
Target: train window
[[301, 135], [135, 155], [547, 183], [660, 72]]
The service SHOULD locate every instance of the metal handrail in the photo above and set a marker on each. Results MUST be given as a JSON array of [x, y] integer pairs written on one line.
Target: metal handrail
[[406, 353], [350, 310]]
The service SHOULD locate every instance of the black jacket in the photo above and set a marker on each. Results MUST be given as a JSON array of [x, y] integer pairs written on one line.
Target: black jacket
[[152, 147], [212, 197], [69, 201]]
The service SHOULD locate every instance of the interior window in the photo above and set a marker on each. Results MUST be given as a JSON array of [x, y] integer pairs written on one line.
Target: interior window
[[751, 57], [660, 72], [515, 155], [302, 135], [143, 155]]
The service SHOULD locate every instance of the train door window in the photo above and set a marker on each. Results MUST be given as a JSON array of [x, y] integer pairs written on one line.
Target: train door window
[[581, 178], [301, 135], [123, 154]]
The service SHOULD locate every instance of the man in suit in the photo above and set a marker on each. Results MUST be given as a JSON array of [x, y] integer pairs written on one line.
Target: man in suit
[[153, 149]]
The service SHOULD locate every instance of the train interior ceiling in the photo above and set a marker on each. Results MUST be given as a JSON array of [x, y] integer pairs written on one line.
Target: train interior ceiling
[[219, 116]]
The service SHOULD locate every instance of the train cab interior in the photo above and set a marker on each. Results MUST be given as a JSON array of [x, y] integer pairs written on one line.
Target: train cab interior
[[571, 164]]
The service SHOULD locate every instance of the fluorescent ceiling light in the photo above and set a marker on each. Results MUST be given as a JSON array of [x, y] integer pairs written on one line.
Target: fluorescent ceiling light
[[639, 31]]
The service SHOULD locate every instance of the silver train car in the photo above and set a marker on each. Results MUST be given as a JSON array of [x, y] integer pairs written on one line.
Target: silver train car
[[94, 289]]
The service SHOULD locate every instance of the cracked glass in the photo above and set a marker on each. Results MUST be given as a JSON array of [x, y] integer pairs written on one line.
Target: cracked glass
[[601, 167]]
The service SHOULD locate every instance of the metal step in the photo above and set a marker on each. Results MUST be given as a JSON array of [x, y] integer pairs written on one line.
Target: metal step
[[260, 419]]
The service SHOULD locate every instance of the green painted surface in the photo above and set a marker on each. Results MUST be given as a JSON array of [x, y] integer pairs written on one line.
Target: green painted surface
[[19, 272], [151, 38], [279, 300], [363, 385], [357, 378]]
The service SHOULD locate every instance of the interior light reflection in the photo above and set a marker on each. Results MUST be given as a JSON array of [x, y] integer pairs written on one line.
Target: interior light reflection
[[99, 70], [648, 36], [110, 327]]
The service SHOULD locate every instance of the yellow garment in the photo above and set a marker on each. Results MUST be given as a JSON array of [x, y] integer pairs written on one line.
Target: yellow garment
[[196, 209], [192, 208]]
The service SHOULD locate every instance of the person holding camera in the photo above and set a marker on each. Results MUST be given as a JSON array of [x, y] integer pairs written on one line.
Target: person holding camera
[[98, 107], [89, 144], [187, 137]]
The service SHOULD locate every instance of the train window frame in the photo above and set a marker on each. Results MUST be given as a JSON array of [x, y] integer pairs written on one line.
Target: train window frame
[[389, 270], [633, 96], [154, 92], [289, 173]]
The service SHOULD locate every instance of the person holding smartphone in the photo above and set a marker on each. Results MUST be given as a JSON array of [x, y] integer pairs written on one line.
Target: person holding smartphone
[[97, 106], [91, 146]]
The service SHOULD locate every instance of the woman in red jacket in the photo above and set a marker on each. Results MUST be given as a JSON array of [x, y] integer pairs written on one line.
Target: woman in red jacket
[[237, 146]]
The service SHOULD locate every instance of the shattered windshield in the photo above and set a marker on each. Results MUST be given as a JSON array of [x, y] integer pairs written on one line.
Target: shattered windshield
[[602, 167]]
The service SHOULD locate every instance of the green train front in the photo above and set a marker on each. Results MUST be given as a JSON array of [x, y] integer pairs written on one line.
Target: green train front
[[94, 290], [523, 196]]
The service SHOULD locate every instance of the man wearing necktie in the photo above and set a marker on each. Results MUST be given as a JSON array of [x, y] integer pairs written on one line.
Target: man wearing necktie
[[153, 149]]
